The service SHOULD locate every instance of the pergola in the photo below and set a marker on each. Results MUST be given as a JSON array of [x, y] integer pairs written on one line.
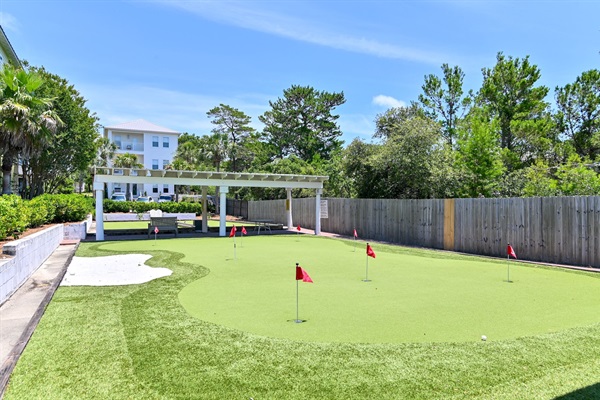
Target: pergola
[[223, 180]]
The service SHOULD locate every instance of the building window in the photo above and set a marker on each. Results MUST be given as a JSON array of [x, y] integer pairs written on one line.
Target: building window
[[154, 141], [155, 163], [118, 141], [165, 164], [154, 188], [165, 141], [165, 188]]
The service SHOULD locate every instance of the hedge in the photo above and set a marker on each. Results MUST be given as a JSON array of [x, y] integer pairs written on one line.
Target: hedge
[[16, 214], [137, 207]]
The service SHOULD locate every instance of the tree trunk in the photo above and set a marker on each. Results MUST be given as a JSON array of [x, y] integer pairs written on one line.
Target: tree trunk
[[7, 165]]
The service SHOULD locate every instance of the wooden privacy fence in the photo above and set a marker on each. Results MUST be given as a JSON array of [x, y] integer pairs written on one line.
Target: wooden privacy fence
[[238, 208], [562, 230]]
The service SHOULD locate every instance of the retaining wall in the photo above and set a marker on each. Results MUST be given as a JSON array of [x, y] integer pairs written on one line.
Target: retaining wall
[[27, 256]]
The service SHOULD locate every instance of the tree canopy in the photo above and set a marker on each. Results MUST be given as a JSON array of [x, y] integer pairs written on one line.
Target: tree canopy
[[504, 139], [301, 123]]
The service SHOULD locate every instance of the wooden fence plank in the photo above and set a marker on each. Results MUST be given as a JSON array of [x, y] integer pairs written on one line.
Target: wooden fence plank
[[550, 229]]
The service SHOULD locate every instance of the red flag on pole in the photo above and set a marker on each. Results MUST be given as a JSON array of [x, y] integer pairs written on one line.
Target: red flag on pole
[[232, 232], [510, 252], [156, 229], [370, 251], [298, 228], [302, 275], [355, 234], [244, 230]]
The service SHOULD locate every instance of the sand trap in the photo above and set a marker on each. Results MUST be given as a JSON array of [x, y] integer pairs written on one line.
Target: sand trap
[[126, 269]]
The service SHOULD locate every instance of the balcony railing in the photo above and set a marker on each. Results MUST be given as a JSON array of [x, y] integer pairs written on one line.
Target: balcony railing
[[130, 146]]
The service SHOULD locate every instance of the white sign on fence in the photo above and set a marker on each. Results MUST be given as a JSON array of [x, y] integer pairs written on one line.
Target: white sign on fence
[[324, 210]]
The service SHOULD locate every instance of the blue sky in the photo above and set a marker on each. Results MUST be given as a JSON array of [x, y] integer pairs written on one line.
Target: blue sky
[[169, 62]]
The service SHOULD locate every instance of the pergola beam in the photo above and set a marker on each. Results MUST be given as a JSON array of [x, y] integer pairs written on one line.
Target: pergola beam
[[224, 180]]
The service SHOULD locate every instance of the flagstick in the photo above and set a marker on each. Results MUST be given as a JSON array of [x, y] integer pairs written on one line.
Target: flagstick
[[297, 314], [354, 242], [367, 271], [234, 247], [508, 268]]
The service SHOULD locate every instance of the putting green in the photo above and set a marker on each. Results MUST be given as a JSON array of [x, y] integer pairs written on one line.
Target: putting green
[[413, 296]]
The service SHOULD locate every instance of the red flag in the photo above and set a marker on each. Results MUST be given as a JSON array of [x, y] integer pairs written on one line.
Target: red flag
[[244, 230], [302, 275], [355, 234], [298, 228], [156, 229], [510, 252], [232, 232], [370, 251]]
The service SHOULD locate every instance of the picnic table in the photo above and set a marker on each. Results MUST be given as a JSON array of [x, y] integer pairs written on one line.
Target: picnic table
[[265, 224]]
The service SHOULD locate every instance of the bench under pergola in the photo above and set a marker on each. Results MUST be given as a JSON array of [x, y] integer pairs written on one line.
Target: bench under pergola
[[204, 179]]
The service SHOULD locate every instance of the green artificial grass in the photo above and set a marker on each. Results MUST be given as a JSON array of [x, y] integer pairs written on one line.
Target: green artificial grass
[[139, 341], [144, 224], [410, 298]]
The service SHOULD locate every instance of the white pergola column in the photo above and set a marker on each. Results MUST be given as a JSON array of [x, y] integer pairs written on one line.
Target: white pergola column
[[288, 208], [204, 209], [318, 213], [222, 209], [99, 191]]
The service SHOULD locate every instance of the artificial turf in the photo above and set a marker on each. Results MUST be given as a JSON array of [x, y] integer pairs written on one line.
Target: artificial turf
[[410, 298], [140, 342], [144, 224]]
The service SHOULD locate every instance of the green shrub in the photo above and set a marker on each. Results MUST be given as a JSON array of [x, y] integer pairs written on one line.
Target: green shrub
[[14, 216], [139, 207], [40, 212], [67, 207], [111, 206], [17, 215]]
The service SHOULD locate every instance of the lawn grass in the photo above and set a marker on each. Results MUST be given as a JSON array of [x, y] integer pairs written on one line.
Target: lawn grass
[[140, 342]]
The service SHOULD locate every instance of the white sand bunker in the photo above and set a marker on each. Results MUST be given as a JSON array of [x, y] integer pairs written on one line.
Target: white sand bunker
[[126, 269]]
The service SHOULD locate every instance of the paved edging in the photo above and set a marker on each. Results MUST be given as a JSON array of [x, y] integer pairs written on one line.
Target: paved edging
[[66, 251]]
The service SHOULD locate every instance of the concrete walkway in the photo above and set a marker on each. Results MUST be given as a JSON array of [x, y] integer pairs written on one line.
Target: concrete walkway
[[21, 313]]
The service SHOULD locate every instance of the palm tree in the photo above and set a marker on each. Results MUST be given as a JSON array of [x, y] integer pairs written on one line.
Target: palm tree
[[188, 154], [26, 120], [127, 160], [215, 147], [106, 151]]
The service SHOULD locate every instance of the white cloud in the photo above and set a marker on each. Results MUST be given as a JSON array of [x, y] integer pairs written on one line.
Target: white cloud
[[9, 22], [388, 101], [356, 126], [248, 15]]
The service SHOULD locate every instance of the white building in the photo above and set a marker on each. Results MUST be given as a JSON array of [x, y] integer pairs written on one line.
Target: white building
[[154, 146], [8, 56], [7, 53]]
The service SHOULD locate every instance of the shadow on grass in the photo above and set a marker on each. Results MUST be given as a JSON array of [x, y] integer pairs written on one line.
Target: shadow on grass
[[588, 392]]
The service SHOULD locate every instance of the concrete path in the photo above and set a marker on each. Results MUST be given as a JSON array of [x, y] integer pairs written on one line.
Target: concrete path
[[20, 314]]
